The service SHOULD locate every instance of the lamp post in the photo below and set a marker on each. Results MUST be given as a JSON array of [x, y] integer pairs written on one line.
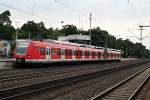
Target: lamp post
[[141, 38], [17, 30], [90, 18]]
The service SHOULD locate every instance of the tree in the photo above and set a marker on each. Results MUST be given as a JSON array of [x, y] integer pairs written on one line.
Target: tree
[[100, 37], [54, 33], [69, 30], [4, 18], [6, 30], [37, 30]]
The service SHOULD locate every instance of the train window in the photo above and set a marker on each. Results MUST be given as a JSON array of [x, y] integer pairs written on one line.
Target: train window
[[36, 49], [108, 54], [73, 52], [42, 51], [70, 52], [93, 53], [88, 54], [58, 52], [21, 50], [53, 51], [104, 54], [76, 53], [118, 55], [80, 53], [112, 55], [49, 51], [99, 54], [62, 51], [85, 53], [66, 52]]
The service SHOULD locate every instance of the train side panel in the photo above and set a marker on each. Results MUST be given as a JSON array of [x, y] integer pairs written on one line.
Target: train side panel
[[43, 52]]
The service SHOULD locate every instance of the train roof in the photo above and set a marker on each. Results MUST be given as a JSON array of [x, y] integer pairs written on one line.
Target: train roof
[[80, 45], [23, 41]]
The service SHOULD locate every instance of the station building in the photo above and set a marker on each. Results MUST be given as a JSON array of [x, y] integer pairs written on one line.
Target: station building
[[77, 38]]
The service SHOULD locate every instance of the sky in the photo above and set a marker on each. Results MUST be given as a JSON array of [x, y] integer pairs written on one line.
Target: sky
[[120, 18]]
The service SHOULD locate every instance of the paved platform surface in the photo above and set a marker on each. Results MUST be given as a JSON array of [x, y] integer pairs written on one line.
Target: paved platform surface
[[127, 59], [7, 59], [6, 63], [12, 59]]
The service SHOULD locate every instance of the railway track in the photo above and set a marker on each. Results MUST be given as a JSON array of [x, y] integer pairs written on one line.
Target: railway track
[[34, 77], [14, 72], [10, 72], [32, 74], [127, 89], [7, 78], [18, 91]]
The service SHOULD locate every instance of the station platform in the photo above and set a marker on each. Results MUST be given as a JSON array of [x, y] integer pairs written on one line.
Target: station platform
[[128, 59], [2, 59]]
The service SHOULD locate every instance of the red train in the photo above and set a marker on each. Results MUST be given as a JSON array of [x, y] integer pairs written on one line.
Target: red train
[[54, 51]]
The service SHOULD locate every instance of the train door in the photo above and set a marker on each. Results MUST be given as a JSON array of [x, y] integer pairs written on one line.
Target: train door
[[47, 54], [42, 53], [105, 54], [63, 54], [73, 54]]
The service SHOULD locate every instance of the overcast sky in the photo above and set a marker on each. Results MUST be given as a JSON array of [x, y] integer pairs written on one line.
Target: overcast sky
[[120, 18]]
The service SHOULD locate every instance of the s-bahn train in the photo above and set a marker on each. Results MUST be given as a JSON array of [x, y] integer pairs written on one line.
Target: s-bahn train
[[55, 51]]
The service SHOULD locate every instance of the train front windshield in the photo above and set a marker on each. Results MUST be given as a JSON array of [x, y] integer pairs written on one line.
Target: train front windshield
[[21, 50]]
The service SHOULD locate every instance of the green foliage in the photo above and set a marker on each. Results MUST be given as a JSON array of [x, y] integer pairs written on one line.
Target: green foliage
[[69, 30], [54, 33], [36, 30], [4, 18], [6, 30], [99, 37]]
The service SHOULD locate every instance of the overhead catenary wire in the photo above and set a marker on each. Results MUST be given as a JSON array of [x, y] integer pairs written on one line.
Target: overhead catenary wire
[[147, 35], [140, 22], [133, 10], [33, 4], [138, 17], [22, 11], [72, 9], [133, 34]]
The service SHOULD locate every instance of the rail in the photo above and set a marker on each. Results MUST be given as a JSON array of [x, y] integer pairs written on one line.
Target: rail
[[36, 87], [111, 93]]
